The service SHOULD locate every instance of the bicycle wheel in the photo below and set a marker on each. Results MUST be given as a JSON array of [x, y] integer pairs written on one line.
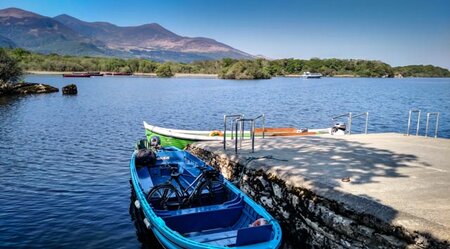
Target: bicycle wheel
[[208, 193], [164, 197]]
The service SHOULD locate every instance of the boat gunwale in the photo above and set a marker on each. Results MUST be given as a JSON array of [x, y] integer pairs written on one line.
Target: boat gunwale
[[177, 133], [177, 239]]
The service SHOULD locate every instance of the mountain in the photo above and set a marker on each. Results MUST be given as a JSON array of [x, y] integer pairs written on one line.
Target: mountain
[[65, 34], [150, 38], [43, 34], [6, 43]]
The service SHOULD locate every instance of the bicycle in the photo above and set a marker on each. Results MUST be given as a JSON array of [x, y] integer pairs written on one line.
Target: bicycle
[[204, 189]]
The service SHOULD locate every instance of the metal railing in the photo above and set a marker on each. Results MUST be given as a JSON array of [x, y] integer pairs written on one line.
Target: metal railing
[[350, 116], [367, 120], [240, 123], [437, 123], [409, 121], [225, 119]]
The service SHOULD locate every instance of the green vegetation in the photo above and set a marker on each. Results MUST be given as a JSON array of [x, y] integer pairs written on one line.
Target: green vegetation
[[10, 71], [332, 67], [164, 71], [244, 69], [422, 71], [225, 68]]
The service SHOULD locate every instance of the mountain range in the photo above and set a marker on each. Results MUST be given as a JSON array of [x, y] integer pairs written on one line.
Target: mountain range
[[68, 35]]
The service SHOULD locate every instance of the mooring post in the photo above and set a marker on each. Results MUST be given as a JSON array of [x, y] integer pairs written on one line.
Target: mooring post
[[409, 122], [367, 121], [253, 135], [264, 124], [349, 123], [225, 132], [418, 124], [236, 137]]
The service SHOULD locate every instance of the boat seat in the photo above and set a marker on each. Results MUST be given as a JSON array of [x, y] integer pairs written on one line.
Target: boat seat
[[207, 220], [219, 239], [236, 202], [240, 237], [252, 235], [144, 179]]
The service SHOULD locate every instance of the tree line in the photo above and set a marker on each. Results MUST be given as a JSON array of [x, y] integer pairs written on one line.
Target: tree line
[[225, 68]]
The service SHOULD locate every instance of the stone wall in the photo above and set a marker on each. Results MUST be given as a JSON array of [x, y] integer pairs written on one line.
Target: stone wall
[[307, 219]]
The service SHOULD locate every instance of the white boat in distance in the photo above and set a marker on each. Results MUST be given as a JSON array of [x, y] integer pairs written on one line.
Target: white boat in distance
[[308, 75]]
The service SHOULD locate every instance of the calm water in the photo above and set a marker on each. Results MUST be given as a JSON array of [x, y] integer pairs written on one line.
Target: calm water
[[64, 159]]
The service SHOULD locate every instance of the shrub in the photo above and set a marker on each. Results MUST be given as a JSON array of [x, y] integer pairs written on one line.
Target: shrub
[[164, 71], [10, 71]]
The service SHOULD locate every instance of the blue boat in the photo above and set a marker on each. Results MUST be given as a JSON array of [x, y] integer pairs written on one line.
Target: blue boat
[[188, 204]]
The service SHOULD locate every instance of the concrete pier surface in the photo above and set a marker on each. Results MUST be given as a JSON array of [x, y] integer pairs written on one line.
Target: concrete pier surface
[[401, 180]]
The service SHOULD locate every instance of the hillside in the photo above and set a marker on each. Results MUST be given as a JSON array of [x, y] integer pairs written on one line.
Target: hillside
[[43, 34], [68, 35], [6, 43]]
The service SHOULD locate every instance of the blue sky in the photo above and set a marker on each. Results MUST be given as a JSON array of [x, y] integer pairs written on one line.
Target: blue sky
[[399, 32]]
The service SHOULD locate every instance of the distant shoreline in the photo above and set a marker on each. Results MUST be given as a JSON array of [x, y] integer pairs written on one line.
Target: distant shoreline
[[183, 75], [208, 76], [177, 75], [226, 68]]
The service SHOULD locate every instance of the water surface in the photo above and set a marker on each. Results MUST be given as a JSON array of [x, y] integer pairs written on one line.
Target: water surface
[[64, 159]]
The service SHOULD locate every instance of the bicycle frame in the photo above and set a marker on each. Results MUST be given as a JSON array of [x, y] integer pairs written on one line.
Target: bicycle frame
[[184, 192]]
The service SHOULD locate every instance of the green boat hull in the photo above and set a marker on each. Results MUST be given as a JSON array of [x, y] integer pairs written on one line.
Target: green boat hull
[[169, 141]]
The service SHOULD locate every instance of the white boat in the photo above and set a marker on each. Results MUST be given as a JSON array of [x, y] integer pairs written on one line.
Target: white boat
[[181, 138], [308, 75]]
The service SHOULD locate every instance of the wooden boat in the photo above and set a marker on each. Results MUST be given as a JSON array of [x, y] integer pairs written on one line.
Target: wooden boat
[[95, 73], [229, 220], [181, 138], [80, 75]]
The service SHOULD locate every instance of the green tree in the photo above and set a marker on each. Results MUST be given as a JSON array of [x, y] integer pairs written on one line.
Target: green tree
[[164, 71], [10, 71], [245, 70]]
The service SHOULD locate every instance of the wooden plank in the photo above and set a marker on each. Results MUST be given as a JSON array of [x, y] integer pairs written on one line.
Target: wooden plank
[[276, 130]]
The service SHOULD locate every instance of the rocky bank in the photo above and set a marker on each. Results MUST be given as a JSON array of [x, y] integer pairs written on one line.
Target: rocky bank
[[25, 88]]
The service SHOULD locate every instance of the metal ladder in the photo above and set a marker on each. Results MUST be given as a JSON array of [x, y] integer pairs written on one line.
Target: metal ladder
[[350, 116], [437, 123], [233, 121], [238, 129], [409, 121], [429, 114]]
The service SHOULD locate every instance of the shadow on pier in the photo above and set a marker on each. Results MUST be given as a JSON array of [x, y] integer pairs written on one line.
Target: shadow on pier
[[382, 186], [329, 161]]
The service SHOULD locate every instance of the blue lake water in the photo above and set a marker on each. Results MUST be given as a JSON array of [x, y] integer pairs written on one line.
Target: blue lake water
[[64, 159]]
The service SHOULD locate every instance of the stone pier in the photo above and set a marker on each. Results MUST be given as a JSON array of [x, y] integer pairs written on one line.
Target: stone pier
[[357, 191]]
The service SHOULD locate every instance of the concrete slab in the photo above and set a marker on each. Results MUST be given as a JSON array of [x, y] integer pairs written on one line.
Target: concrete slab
[[402, 180]]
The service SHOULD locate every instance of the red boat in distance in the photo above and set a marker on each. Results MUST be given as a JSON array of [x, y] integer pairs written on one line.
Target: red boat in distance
[[95, 73], [80, 75]]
